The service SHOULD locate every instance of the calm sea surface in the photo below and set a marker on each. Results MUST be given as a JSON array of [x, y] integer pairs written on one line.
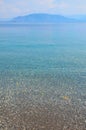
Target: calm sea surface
[[43, 64]]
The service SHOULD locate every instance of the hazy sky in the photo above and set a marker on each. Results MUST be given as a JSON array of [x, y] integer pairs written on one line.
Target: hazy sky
[[12, 8]]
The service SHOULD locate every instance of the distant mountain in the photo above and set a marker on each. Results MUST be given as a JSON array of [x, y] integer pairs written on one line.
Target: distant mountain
[[42, 18]]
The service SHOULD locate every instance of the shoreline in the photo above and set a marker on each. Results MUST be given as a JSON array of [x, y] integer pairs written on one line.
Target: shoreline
[[23, 115]]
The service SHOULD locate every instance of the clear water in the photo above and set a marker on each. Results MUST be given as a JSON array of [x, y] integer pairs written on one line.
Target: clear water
[[44, 64]]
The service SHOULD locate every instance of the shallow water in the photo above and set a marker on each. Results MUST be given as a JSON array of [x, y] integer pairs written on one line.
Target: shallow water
[[43, 76]]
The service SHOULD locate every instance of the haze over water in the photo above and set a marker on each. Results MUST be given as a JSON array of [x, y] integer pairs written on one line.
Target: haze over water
[[43, 76]]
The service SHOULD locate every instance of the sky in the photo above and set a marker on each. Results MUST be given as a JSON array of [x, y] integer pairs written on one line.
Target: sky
[[13, 8]]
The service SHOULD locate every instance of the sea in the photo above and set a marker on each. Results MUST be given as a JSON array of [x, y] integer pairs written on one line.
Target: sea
[[43, 76]]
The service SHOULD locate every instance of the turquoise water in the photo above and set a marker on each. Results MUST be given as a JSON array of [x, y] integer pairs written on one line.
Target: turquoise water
[[44, 64]]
